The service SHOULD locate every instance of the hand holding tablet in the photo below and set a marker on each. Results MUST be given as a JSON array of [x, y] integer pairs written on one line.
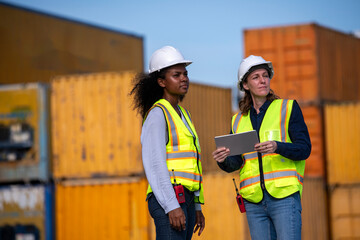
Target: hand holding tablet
[[238, 143]]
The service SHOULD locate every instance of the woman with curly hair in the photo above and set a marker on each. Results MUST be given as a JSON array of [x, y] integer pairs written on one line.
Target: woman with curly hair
[[170, 147]]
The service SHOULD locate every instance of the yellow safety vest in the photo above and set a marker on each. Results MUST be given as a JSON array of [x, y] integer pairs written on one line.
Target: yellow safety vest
[[183, 152], [282, 176]]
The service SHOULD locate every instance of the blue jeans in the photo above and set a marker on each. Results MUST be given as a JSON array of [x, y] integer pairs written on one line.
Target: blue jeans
[[274, 218], [164, 231]]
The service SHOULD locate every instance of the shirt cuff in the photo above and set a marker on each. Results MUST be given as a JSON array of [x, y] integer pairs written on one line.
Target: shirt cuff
[[197, 207], [171, 205], [279, 148]]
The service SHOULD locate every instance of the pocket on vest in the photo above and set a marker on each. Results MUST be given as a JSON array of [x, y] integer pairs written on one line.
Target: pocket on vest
[[272, 135], [280, 163], [285, 171]]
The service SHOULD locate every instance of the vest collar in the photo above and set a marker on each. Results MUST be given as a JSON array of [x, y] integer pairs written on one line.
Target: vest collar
[[262, 108]]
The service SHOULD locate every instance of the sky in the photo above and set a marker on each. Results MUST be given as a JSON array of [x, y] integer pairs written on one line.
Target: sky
[[210, 33]]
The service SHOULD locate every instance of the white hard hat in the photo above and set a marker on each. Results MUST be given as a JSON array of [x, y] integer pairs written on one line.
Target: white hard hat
[[165, 57], [248, 63]]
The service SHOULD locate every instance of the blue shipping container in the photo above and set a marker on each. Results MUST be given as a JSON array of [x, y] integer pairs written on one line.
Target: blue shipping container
[[27, 211], [24, 133]]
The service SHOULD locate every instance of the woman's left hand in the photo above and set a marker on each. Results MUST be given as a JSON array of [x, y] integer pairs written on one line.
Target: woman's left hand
[[200, 222], [266, 147]]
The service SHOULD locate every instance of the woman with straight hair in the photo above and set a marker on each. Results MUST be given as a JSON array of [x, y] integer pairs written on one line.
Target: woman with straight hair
[[271, 177]]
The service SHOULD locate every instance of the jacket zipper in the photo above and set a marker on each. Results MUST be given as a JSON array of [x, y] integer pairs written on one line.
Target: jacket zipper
[[262, 182]]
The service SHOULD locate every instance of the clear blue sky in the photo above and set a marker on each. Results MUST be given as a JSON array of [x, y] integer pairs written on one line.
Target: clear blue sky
[[208, 32]]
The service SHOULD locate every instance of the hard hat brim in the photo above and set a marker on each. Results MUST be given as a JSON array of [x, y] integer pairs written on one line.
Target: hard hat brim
[[186, 62]]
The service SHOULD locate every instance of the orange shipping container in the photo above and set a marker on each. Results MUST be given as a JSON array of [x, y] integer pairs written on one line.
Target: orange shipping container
[[312, 63], [35, 46], [342, 124], [315, 164], [109, 209], [95, 132], [345, 212], [211, 112]]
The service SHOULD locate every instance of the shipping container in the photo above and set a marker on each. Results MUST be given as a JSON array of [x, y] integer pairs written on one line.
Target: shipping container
[[102, 208], [36, 46], [95, 131], [211, 111], [24, 132], [315, 209], [26, 211], [312, 63], [315, 164], [345, 211], [342, 128]]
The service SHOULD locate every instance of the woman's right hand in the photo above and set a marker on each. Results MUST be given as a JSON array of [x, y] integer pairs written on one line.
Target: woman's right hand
[[220, 154], [177, 219]]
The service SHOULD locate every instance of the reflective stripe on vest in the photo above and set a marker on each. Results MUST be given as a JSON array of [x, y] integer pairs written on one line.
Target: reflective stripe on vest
[[282, 176], [177, 155], [283, 119], [271, 176], [236, 123], [194, 177], [183, 153], [173, 137]]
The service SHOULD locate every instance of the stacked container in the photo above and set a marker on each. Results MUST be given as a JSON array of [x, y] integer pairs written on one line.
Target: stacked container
[[24, 147], [36, 46], [26, 193], [102, 208], [343, 167], [99, 182], [95, 132], [312, 65], [26, 211]]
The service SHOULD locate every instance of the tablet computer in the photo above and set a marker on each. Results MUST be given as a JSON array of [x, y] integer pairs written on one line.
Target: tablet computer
[[238, 143]]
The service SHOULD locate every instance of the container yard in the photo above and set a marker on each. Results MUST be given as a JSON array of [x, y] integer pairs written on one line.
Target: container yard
[[70, 150]]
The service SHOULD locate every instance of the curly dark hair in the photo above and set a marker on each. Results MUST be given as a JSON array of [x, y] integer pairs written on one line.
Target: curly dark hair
[[146, 91]]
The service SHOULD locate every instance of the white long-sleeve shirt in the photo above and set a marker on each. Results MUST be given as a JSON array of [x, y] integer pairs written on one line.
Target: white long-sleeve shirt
[[154, 136]]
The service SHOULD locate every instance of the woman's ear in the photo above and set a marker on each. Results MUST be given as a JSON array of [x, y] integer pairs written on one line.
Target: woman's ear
[[245, 86], [161, 82]]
